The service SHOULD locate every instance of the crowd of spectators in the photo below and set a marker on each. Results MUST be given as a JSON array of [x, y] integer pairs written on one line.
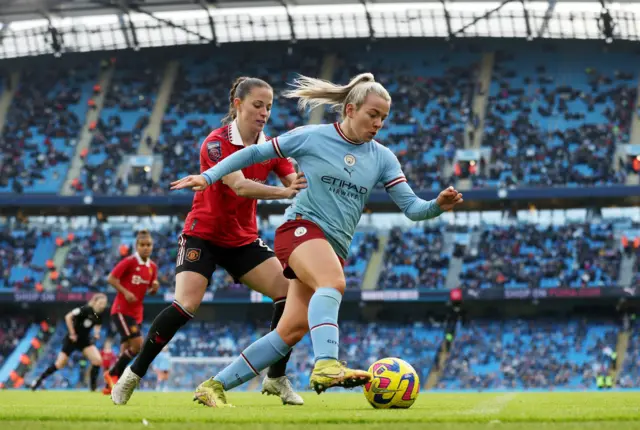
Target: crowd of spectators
[[528, 354], [415, 258], [555, 115], [532, 256], [42, 126]]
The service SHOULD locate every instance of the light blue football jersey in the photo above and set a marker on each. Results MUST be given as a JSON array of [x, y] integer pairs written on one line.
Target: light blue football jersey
[[341, 175]]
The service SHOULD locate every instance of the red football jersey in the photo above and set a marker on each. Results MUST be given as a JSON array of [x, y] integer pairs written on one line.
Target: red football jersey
[[108, 358], [217, 213], [136, 276]]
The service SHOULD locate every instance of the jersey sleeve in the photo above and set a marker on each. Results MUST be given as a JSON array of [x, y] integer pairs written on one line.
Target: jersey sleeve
[[121, 268], [394, 181], [391, 174], [290, 144], [283, 167], [76, 312], [212, 150]]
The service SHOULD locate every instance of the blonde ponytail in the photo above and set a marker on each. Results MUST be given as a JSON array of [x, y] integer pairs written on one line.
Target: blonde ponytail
[[312, 92]]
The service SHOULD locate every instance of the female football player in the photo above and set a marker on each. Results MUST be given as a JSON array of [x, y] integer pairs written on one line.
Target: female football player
[[342, 163], [132, 277], [84, 325], [221, 230]]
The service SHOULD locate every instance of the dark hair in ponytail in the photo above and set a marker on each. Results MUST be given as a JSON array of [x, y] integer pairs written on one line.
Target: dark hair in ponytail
[[239, 90]]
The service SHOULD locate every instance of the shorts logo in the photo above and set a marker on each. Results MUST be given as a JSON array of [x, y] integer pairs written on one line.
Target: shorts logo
[[300, 231], [214, 150], [193, 254], [133, 329], [349, 160]]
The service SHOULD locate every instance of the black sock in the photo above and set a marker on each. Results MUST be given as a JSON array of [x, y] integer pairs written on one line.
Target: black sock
[[162, 330], [278, 369], [50, 371], [94, 377], [124, 359]]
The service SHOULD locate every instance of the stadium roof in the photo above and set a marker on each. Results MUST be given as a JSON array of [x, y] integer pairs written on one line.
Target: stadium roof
[[16, 10]]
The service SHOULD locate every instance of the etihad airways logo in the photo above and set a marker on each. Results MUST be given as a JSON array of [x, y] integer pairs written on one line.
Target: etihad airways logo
[[340, 186]]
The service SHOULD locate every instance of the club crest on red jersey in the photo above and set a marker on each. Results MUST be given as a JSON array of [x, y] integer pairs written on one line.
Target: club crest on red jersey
[[214, 150]]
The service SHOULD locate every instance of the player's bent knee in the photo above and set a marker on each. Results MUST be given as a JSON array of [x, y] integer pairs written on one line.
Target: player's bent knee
[[339, 284], [96, 362], [190, 306]]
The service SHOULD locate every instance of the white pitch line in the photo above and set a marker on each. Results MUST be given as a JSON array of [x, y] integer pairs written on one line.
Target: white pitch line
[[491, 406]]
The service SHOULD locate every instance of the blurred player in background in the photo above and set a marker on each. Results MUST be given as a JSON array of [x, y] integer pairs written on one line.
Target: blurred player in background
[[132, 278], [221, 230], [343, 164], [162, 366], [84, 324], [108, 359]]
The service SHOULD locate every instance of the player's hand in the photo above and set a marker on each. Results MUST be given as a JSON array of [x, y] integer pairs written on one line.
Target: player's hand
[[73, 337], [449, 198], [195, 182], [299, 184], [130, 297], [155, 286]]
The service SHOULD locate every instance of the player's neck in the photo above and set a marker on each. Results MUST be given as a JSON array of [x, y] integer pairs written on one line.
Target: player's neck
[[247, 138], [348, 132]]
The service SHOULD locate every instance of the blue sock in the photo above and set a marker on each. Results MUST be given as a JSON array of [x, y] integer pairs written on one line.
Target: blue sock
[[258, 356], [323, 322]]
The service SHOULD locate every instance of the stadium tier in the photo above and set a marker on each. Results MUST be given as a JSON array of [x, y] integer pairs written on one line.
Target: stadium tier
[[437, 256], [550, 115], [528, 354]]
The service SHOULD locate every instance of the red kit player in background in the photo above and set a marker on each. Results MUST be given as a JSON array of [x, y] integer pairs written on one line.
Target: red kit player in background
[[132, 277], [221, 230]]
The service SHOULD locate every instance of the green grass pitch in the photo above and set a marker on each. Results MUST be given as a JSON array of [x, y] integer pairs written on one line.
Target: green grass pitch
[[164, 411]]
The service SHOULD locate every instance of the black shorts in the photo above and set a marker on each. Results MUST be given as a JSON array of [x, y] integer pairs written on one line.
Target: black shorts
[[126, 326], [69, 347], [201, 256]]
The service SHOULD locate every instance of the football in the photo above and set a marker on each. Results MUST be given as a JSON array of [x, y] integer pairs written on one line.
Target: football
[[395, 384]]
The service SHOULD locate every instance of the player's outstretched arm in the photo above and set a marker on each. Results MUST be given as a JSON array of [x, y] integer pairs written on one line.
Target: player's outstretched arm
[[236, 161], [244, 187], [417, 209]]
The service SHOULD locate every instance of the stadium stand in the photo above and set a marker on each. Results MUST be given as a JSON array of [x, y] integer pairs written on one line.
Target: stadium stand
[[415, 258], [24, 253], [528, 354], [124, 116], [11, 331], [555, 115], [42, 126], [529, 255]]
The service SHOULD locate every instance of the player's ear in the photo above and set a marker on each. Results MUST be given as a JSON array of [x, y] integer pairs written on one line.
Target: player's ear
[[350, 109], [236, 103]]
